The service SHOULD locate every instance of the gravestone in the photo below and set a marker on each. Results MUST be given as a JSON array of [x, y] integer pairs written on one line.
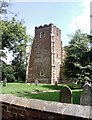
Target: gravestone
[[36, 82], [4, 82], [86, 97], [65, 95]]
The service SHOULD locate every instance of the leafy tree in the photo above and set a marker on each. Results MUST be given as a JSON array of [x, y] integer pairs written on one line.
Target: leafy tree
[[3, 6], [13, 34], [14, 38], [20, 68], [8, 73], [77, 63]]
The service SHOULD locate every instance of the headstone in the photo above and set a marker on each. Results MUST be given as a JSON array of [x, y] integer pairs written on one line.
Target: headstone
[[86, 97], [36, 82], [65, 95], [4, 82]]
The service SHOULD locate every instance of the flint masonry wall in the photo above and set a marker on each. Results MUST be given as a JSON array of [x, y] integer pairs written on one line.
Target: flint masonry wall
[[16, 108]]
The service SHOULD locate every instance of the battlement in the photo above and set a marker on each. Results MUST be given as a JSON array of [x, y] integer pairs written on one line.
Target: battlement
[[47, 25]]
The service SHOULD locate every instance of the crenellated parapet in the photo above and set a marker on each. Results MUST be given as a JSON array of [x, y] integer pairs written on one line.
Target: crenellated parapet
[[47, 25]]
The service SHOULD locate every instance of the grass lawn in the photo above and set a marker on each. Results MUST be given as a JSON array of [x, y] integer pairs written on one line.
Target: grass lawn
[[37, 92]]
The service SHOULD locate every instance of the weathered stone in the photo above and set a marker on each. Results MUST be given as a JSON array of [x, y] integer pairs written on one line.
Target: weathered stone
[[36, 82], [4, 82], [43, 110], [65, 95], [19, 101], [8, 98], [90, 116], [86, 97], [51, 106]]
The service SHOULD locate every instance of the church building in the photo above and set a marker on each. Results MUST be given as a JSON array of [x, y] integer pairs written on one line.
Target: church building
[[45, 55]]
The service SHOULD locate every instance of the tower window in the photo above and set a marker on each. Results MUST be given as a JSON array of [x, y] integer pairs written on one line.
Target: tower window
[[41, 73], [42, 34]]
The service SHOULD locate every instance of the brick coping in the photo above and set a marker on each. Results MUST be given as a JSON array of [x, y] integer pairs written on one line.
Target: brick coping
[[49, 106]]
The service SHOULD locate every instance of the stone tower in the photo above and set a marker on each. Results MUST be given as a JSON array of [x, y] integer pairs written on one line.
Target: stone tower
[[45, 58]]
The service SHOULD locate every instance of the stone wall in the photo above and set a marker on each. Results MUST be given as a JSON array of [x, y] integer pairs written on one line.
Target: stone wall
[[16, 108]]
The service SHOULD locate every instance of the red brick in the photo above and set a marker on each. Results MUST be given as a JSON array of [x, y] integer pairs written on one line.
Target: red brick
[[41, 58]]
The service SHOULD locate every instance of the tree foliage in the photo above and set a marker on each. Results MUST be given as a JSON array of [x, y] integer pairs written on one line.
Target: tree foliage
[[3, 6], [13, 34], [8, 72], [78, 63], [15, 38]]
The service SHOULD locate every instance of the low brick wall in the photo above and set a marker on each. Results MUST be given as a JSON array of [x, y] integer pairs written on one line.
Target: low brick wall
[[16, 108]]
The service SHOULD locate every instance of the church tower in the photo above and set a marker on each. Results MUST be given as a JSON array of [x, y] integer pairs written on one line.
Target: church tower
[[46, 55]]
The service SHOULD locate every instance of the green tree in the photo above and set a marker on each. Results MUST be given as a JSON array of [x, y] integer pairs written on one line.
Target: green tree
[[77, 64], [15, 38], [8, 72], [19, 68], [3, 6]]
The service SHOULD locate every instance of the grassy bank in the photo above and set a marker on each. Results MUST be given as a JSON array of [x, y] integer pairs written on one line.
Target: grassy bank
[[42, 91]]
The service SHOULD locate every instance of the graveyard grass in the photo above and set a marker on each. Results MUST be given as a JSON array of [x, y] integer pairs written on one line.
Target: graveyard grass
[[42, 91]]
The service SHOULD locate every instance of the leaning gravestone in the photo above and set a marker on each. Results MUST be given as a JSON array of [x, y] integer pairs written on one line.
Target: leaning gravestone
[[65, 95], [86, 97]]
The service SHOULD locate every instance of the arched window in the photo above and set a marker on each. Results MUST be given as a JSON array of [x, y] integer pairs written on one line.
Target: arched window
[[42, 34], [42, 73]]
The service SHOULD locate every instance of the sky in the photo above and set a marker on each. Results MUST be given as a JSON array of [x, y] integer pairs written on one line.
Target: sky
[[67, 15]]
